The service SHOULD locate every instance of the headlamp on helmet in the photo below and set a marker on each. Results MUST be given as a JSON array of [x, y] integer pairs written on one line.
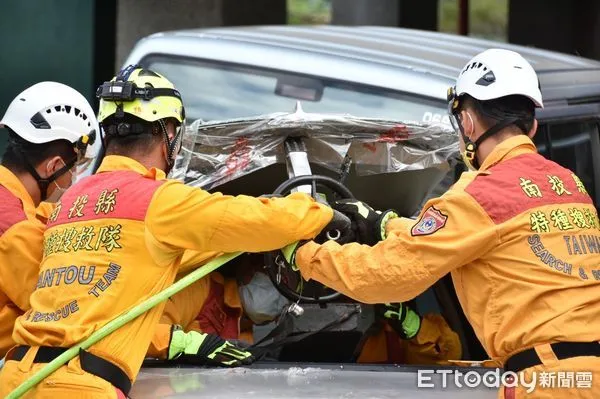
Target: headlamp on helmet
[[118, 91]]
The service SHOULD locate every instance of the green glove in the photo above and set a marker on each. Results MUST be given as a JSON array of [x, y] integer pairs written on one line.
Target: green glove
[[206, 349], [289, 253], [405, 321], [370, 224]]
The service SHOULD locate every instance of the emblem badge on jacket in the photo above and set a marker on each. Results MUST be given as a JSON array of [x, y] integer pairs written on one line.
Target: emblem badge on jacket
[[431, 221]]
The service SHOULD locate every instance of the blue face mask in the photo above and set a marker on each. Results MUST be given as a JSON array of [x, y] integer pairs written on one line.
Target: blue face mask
[[260, 300]]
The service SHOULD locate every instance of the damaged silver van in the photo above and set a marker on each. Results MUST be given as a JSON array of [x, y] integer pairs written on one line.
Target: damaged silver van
[[366, 108]]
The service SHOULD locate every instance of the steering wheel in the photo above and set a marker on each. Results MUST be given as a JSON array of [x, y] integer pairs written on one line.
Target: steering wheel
[[280, 272]]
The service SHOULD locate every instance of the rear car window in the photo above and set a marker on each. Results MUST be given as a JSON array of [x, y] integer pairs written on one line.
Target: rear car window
[[217, 91]]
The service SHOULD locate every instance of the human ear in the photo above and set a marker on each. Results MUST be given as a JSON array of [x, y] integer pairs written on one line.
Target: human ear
[[53, 164], [533, 130]]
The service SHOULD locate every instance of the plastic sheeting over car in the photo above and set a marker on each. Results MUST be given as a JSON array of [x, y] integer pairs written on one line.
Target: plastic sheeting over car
[[220, 151]]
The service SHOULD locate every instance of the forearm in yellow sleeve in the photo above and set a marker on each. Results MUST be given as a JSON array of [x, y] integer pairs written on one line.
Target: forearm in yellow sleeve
[[159, 346], [193, 259], [186, 217], [366, 274], [398, 224], [409, 260], [181, 309]]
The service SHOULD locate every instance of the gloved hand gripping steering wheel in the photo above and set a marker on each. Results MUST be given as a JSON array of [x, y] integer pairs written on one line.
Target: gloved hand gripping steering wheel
[[281, 274]]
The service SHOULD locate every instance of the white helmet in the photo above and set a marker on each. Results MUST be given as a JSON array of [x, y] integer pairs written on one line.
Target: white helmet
[[49, 111], [496, 73], [492, 74]]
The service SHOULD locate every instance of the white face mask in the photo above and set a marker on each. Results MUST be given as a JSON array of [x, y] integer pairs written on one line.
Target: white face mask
[[56, 194], [260, 299], [58, 190]]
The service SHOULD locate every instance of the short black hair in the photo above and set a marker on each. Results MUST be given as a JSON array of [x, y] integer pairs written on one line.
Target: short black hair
[[514, 106], [19, 151], [134, 143]]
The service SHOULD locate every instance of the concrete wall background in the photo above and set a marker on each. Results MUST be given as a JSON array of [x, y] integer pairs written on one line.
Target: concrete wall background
[[45, 40], [139, 18], [407, 13], [563, 25], [365, 12]]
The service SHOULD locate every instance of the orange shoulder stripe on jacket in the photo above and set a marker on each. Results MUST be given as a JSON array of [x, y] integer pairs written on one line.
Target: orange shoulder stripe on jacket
[[525, 182], [119, 194], [11, 210]]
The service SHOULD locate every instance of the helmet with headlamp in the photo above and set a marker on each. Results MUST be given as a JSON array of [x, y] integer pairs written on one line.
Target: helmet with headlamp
[[138, 98]]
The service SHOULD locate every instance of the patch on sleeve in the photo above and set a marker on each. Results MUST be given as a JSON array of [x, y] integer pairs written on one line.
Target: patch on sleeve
[[431, 221]]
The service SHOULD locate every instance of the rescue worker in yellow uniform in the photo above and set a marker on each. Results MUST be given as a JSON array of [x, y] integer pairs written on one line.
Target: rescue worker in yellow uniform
[[402, 336], [117, 237], [228, 307], [45, 144], [519, 234], [210, 305]]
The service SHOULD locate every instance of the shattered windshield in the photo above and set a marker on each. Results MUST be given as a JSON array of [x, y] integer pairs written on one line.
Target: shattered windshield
[[220, 151], [217, 91]]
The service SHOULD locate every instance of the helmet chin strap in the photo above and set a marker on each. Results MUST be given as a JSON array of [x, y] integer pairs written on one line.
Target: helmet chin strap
[[471, 147], [43, 183], [172, 145]]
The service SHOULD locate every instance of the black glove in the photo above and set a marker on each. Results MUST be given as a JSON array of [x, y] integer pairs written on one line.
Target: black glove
[[405, 321], [370, 224], [338, 229]]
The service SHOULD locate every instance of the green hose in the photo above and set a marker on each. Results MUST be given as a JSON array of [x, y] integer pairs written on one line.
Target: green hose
[[120, 321]]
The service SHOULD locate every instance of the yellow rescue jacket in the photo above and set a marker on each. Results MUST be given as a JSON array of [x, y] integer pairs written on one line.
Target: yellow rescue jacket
[[117, 238], [21, 235], [520, 238]]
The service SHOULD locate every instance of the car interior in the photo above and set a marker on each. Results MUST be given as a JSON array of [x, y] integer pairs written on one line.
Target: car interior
[[333, 332]]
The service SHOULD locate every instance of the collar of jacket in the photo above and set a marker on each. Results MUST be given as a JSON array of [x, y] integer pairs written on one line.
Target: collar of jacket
[[14, 185], [112, 163], [507, 149]]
